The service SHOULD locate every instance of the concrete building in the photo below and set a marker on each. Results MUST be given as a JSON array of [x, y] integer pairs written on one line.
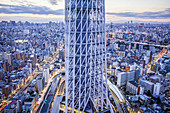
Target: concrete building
[[157, 89], [32, 86], [124, 77], [134, 88], [147, 85], [130, 75], [121, 78], [46, 74], [40, 83], [9, 58]]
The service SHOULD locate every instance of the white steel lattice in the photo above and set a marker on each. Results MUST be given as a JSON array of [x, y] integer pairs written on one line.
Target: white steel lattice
[[85, 50]]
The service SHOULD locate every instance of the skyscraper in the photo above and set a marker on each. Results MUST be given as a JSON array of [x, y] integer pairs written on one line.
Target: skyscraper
[[85, 50]]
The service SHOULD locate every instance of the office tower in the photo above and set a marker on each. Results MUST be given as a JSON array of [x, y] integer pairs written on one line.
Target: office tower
[[85, 49]]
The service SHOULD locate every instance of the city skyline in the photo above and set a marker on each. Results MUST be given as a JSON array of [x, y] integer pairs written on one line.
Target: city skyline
[[58, 67], [116, 11]]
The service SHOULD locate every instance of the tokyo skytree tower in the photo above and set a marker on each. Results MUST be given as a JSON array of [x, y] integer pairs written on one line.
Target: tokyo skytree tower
[[85, 56]]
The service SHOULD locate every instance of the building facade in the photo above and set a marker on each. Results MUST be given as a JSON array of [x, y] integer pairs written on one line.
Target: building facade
[[134, 88]]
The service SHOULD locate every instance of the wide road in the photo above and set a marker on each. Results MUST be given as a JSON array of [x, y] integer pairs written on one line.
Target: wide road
[[50, 95], [46, 105]]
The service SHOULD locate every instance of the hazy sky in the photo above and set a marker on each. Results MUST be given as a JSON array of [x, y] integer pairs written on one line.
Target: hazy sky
[[116, 10]]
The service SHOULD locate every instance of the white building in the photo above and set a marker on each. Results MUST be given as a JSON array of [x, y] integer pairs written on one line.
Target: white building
[[4, 55], [121, 78], [40, 83], [46, 74], [157, 89], [118, 70], [124, 77], [130, 75]]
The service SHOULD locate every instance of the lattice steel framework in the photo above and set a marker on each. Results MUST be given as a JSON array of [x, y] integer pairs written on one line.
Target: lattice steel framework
[[85, 51]]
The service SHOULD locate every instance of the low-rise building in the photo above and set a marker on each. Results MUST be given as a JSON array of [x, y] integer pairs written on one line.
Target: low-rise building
[[30, 102], [10, 109], [143, 99]]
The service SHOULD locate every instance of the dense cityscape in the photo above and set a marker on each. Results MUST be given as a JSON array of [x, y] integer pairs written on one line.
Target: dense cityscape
[[87, 63], [32, 66]]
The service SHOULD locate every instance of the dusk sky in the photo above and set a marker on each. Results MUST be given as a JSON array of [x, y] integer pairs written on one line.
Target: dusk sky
[[116, 10]]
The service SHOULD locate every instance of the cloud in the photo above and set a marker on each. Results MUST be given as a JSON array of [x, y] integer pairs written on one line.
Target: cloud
[[43, 10], [53, 2], [21, 1], [28, 9], [145, 15]]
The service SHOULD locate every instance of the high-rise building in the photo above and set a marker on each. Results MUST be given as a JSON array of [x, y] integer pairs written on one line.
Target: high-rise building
[[6, 90], [122, 79], [9, 58], [40, 83], [46, 74], [85, 55]]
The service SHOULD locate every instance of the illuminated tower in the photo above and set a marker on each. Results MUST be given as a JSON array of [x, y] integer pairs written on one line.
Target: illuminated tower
[[85, 56]]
